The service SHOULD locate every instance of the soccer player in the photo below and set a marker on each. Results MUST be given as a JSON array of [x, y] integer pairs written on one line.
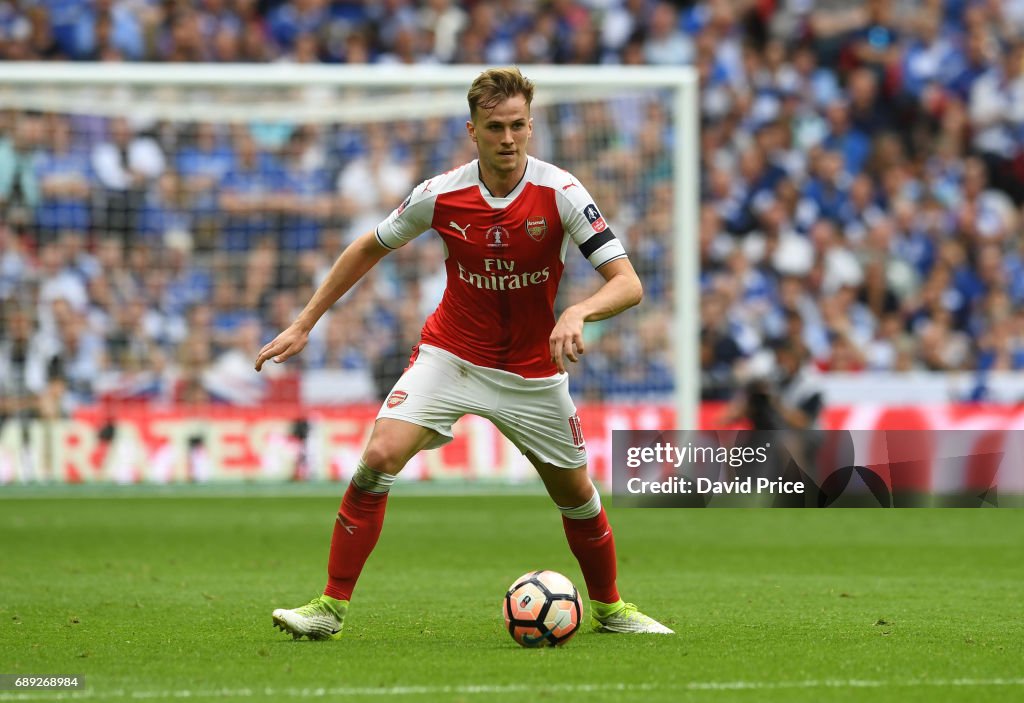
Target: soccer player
[[491, 348]]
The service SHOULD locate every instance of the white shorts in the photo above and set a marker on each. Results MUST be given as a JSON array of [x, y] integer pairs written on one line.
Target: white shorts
[[536, 414]]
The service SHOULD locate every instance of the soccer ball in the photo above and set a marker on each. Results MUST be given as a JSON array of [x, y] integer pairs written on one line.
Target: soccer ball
[[542, 608]]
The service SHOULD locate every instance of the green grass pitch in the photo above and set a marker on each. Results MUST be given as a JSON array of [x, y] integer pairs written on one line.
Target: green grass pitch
[[154, 598]]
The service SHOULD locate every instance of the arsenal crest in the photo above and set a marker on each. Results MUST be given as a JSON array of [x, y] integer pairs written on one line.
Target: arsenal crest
[[397, 398], [536, 227]]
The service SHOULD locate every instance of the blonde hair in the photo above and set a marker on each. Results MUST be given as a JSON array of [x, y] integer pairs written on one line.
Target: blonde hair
[[496, 85]]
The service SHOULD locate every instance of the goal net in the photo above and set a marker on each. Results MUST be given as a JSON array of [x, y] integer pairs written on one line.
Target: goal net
[[164, 221]]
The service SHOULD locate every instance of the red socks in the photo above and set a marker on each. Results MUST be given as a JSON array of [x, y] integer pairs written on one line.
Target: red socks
[[361, 518], [356, 530], [593, 545]]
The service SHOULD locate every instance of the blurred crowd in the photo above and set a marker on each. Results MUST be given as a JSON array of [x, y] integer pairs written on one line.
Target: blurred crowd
[[862, 182]]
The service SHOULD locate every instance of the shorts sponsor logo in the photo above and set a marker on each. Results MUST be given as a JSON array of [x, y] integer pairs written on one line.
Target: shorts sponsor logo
[[577, 433], [594, 218], [397, 398], [536, 227], [497, 237]]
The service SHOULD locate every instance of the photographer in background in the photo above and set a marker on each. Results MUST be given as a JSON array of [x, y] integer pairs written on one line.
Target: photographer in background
[[782, 408], [789, 397], [31, 385], [22, 368]]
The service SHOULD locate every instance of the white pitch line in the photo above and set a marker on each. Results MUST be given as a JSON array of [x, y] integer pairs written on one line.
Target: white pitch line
[[484, 689]]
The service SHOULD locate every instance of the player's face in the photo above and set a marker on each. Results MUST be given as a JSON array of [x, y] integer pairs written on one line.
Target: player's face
[[501, 136]]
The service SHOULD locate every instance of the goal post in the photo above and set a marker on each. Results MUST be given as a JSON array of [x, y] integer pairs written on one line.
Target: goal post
[[180, 94]]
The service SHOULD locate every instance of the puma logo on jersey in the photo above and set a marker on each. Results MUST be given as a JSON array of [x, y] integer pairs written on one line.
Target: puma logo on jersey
[[568, 186], [462, 230]]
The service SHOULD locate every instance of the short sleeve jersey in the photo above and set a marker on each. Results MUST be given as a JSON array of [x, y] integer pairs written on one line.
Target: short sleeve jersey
[[504, 258]]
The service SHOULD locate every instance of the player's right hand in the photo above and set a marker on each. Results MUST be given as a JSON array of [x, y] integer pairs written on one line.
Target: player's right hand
[[285, 345]]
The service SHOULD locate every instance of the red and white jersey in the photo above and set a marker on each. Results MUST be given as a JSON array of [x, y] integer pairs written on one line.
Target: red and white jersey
[[504, 258]]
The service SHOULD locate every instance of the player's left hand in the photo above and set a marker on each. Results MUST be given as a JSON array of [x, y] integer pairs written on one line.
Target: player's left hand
[[566, 339], [285, 345]]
